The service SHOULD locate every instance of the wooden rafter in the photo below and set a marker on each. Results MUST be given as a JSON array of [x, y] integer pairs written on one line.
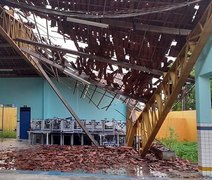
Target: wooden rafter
[[82, 76], [157, 108], [146, 27], [11, 28], [97, 58]]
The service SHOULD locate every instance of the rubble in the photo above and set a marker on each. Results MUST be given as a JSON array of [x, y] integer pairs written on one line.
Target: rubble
[[162, 152], [115, 160]]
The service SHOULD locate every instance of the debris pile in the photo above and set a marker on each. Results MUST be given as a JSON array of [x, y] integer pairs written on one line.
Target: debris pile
[[69, 158], [90, 159], [162, 152]]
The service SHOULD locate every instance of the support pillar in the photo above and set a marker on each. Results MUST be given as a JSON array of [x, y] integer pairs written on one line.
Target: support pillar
[[203, 107], [100, 140], [61, 139], [204, 126], [82, 139], [42, 139], [29, 136], [47, 138], [72, 139], [118, 139]]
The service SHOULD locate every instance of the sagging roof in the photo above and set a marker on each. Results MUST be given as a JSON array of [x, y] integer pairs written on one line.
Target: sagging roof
[[13, 64], [127, 44]]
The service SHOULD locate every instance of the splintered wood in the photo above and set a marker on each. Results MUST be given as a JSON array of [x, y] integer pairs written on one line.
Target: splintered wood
[[121, 160]]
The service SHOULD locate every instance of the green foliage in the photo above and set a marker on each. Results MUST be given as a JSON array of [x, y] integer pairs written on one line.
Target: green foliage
[[185, 150], [189, 99], [7, 134], [189, 96], [171, 140]]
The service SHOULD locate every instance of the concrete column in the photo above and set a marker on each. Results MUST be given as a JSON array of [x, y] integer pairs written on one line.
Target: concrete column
[[42, 138], [61, 139], [82, 139], [47, 138], [204, 125], [29, 137], [72, 139], [100, 140], [118, 139], [203, 107]]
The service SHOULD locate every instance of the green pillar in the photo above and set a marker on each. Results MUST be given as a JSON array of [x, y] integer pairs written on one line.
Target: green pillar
[[203, 107], [203, 99]]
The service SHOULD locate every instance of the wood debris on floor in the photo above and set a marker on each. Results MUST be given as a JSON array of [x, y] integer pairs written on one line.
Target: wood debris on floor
[[118, 160]]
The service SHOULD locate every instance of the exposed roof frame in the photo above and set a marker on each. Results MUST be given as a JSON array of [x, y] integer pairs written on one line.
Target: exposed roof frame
[[97, 58], [84, 15], [146, 27], [82, 76]]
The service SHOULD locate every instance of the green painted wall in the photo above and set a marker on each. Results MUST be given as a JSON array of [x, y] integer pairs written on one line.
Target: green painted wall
[[37, 94]]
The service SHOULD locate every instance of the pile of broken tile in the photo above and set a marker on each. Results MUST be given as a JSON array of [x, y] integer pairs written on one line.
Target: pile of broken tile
[[89, 159]]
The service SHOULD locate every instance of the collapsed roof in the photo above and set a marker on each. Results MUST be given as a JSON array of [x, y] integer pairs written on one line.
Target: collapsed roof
[[123, 46]]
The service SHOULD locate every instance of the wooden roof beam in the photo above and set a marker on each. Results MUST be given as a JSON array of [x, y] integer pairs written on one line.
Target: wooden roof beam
[[110, 22], [97, 58], [81, 77], [146, 27]]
